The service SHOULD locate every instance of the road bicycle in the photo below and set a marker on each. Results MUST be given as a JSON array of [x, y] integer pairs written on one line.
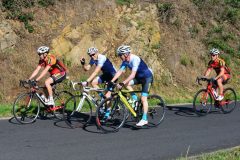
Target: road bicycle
[[121, 110], [206, 98], [30, 105], [79, 108]]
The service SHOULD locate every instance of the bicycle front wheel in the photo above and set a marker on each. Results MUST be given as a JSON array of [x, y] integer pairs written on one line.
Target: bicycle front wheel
[[229, 102], [202, 102], [156, 110], [26, 108], [77, 111], [117, 117]]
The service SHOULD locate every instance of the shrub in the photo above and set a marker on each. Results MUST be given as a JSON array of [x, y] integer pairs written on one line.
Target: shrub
[[46, 3], [185, 60], [165, 10], [231, 14], [193, 31], [15, 10], [124, 2]]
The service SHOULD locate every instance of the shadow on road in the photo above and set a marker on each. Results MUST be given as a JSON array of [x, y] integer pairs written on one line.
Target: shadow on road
[[187, 111]]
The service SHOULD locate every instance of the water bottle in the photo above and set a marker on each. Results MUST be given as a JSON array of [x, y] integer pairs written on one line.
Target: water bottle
[[215, 92], [43, 97]]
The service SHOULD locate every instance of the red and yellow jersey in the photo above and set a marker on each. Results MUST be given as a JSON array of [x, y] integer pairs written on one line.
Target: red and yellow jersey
[[217, 65], [55, 65]]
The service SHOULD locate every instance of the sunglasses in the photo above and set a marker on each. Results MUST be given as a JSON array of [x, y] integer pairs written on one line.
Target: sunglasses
[[213, 55]]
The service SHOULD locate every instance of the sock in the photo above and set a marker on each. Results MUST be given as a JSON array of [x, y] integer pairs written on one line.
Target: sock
[[101, 94], [144, 116], [134, 96], [50, 98]]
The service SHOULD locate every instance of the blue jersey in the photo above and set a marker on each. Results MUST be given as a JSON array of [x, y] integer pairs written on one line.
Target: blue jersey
[[105, 64], [138, 65]]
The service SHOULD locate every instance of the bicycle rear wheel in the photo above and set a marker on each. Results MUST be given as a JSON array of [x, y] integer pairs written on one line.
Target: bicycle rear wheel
[[117, 116], [77, 118], [156, 110], [60, 99], [26, 108], [229, 102], [202, 102]]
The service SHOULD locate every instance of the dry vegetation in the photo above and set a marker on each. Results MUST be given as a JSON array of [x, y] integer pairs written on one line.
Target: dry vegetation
[[188, 28]]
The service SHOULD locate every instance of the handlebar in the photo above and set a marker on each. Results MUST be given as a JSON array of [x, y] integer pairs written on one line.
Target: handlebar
[[209, 80], [85, 88], [27, 84]]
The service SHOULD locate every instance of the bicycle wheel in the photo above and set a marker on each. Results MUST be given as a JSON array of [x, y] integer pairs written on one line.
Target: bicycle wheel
[[26, 108], [156, 110], [229, 102], [116, 118], [77, 111], [60, 99], [202, 102]]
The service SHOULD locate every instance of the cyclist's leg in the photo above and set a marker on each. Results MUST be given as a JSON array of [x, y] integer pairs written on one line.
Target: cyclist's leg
[[220, 83], [95, 82], [129, 87], [146, 84], [53, 79]]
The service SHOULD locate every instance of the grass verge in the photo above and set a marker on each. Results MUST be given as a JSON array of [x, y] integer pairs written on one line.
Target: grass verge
[[225, 154], [5, 110]]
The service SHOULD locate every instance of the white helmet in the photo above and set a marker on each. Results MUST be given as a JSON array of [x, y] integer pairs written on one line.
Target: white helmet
[[43, 49], [92, 50], [214, 51], [123, 49]]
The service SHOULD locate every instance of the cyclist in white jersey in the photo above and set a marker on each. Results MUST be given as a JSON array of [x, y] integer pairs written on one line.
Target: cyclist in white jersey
[[140, 74], [102, 63]]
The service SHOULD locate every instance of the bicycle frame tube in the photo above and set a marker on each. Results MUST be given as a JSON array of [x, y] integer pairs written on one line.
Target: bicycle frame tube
[[85, 95], [124, 100], [40, 98], [210, 90]]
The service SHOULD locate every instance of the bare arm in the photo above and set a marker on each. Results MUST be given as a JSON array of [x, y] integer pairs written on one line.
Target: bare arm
[[87, 67], [35, 72], [208, 71], [96, 71], [118, 74], [44, 72]]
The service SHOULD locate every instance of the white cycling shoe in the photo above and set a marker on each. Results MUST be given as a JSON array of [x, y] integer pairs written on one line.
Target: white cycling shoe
[[50, 102], [220, 97], [142, 123]]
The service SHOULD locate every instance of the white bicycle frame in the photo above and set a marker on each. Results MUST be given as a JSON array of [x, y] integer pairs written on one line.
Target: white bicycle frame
[[85, 94]]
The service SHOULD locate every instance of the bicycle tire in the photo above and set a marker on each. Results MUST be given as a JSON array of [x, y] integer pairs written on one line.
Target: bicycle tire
[[26, 108], [74, 118], [60, 99], [231, 97], [117, 116], [156, 110], [199, 107]]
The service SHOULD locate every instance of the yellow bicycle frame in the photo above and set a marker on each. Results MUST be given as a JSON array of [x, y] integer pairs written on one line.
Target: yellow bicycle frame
[[125, 102]]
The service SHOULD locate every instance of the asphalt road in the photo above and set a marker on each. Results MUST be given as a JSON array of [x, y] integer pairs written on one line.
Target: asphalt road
[[181, 134]]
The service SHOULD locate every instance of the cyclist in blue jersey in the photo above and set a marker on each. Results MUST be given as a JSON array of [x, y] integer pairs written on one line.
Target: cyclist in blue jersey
[[102, 63], [140, 74]]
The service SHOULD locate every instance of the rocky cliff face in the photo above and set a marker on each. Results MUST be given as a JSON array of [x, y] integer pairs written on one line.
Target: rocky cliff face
[[166, 34]]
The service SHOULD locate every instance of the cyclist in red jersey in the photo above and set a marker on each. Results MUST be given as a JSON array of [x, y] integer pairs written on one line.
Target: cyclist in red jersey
[[222, 71], [50, 64]]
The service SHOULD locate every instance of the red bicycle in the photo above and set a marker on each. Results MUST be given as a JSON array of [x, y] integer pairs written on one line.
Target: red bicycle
[[30, 105], [204, 99]]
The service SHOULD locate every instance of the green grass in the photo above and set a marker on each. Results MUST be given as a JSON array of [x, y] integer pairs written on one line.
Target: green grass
[[226, 154], [5, 110]]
